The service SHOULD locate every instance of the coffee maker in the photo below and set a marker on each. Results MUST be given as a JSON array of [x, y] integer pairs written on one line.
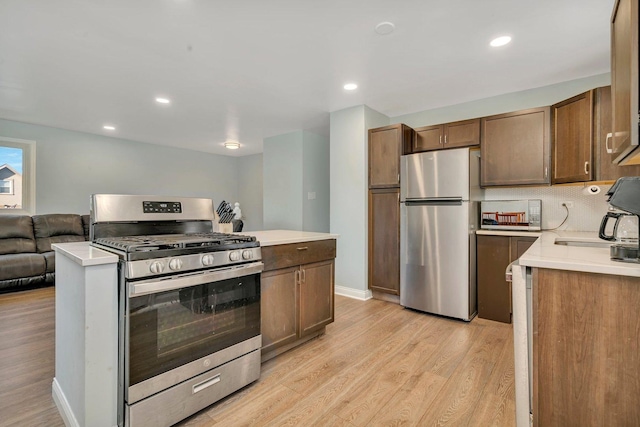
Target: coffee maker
[[624, 196]]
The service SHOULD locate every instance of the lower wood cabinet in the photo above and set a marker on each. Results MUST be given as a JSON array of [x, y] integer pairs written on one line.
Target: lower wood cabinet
[[494, 254], [586, 338], [384, 240], [297, 294]]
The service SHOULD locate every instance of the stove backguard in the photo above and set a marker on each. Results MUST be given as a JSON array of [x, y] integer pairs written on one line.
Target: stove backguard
[[117, 215]]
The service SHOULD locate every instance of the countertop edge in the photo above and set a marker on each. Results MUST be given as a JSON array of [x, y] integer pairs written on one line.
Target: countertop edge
[[283, 237], [84, 254], [510, 233], [544, 253]]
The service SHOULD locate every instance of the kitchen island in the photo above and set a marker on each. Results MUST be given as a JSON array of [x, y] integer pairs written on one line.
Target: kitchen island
[[86, 374], [580, 309], [297, 287]]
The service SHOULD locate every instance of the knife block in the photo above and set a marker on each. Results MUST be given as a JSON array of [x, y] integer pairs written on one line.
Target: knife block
[[223, 228]]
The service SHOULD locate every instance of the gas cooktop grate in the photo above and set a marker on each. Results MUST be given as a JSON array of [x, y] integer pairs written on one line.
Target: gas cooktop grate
[[175, 241]]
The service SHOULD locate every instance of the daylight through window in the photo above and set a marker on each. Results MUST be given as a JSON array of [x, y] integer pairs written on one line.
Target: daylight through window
[[16, 175]]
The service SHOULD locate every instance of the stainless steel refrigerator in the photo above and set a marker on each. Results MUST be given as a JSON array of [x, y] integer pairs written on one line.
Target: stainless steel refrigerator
[[439, 195]]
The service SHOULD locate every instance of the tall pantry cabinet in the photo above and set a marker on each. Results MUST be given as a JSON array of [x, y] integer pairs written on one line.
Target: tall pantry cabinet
[[386, 145]]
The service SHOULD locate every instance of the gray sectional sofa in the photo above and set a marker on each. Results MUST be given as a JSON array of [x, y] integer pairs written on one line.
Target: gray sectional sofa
[[26, 257]]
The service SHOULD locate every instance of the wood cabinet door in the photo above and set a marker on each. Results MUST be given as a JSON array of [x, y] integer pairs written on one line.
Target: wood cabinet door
[[606, 169], [624, 75], [515, 148], [572, 139], [279, 308], [519, 246], [493, 255], [385, 149], [465, 133], [585, 349], [384, 241], [427, 138], [316, 296]]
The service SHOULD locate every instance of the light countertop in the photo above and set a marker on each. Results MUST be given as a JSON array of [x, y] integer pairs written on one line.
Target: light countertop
[[512, 233], [84, 254], [280, 237], [544, 253]]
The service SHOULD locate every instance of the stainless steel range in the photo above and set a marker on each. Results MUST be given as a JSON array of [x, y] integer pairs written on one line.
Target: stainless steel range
[[189, 306]]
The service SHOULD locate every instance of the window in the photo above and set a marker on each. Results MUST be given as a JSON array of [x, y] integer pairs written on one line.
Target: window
[[17, 176], [6, 186]]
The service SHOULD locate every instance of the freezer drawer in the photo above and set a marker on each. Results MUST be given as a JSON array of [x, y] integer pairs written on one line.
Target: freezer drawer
[[437, 259]]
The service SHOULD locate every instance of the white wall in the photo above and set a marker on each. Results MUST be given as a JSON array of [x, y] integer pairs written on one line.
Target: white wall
[[250, 191], [70, 166], [282, 181], [315, 161], [295, 164], [349, 184]]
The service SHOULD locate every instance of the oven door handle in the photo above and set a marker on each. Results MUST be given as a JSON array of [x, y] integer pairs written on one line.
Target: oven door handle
[[170, 283]]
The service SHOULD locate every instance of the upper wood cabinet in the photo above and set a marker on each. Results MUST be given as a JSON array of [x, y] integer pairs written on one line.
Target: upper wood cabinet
[[386, 145], [516, 148], [464, 133], [605, 169], [624, 81], [572, 122]]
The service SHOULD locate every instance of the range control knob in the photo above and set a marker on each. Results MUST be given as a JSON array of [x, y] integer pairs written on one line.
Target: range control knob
[[156, 267], [175, 264], [247, 254], [234, 256], [207, 260]]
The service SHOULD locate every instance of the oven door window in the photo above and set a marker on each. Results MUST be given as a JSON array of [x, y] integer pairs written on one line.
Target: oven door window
[[170, 329]]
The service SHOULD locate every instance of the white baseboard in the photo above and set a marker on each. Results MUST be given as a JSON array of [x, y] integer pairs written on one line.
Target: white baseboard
[[63, 405], [353, 293]]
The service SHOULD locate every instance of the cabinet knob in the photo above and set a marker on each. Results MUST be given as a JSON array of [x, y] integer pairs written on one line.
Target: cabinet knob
[[304, 248], [586, 168]]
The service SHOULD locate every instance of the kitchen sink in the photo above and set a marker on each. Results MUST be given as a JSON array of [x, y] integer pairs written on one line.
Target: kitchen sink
[[582, 243]]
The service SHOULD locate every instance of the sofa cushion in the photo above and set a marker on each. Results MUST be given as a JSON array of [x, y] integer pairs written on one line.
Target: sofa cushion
[[86, 224], [50, 261], [56, 228], [16, 266], [16, 234]]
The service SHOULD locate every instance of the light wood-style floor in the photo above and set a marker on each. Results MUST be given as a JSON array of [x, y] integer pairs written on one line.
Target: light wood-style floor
[[377, 365]]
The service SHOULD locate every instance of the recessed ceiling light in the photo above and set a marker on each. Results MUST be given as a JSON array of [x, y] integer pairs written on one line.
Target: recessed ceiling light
[[109, 127], [232, 145], [500, 41], [162, 100], [350, 86], [385, 28]]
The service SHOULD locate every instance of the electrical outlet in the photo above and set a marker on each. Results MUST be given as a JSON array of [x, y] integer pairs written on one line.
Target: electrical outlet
[[568, 203]]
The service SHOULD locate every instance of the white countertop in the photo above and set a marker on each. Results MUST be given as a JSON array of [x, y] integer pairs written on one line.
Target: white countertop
[[279, 237], [84, 254], [512, 233], [545, 253]]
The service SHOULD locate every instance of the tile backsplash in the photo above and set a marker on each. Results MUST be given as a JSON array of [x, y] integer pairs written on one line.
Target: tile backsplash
[[585, 215]]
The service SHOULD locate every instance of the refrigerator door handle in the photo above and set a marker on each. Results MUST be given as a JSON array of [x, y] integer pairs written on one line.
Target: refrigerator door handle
[[455, 201]]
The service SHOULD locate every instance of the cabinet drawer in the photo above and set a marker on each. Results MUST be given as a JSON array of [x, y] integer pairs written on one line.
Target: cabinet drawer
[[293, 254]]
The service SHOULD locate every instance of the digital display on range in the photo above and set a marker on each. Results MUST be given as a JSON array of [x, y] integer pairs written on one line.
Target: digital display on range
[[161, 207]]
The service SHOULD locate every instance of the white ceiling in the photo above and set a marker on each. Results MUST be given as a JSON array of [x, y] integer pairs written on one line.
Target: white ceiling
[[249, 69]]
